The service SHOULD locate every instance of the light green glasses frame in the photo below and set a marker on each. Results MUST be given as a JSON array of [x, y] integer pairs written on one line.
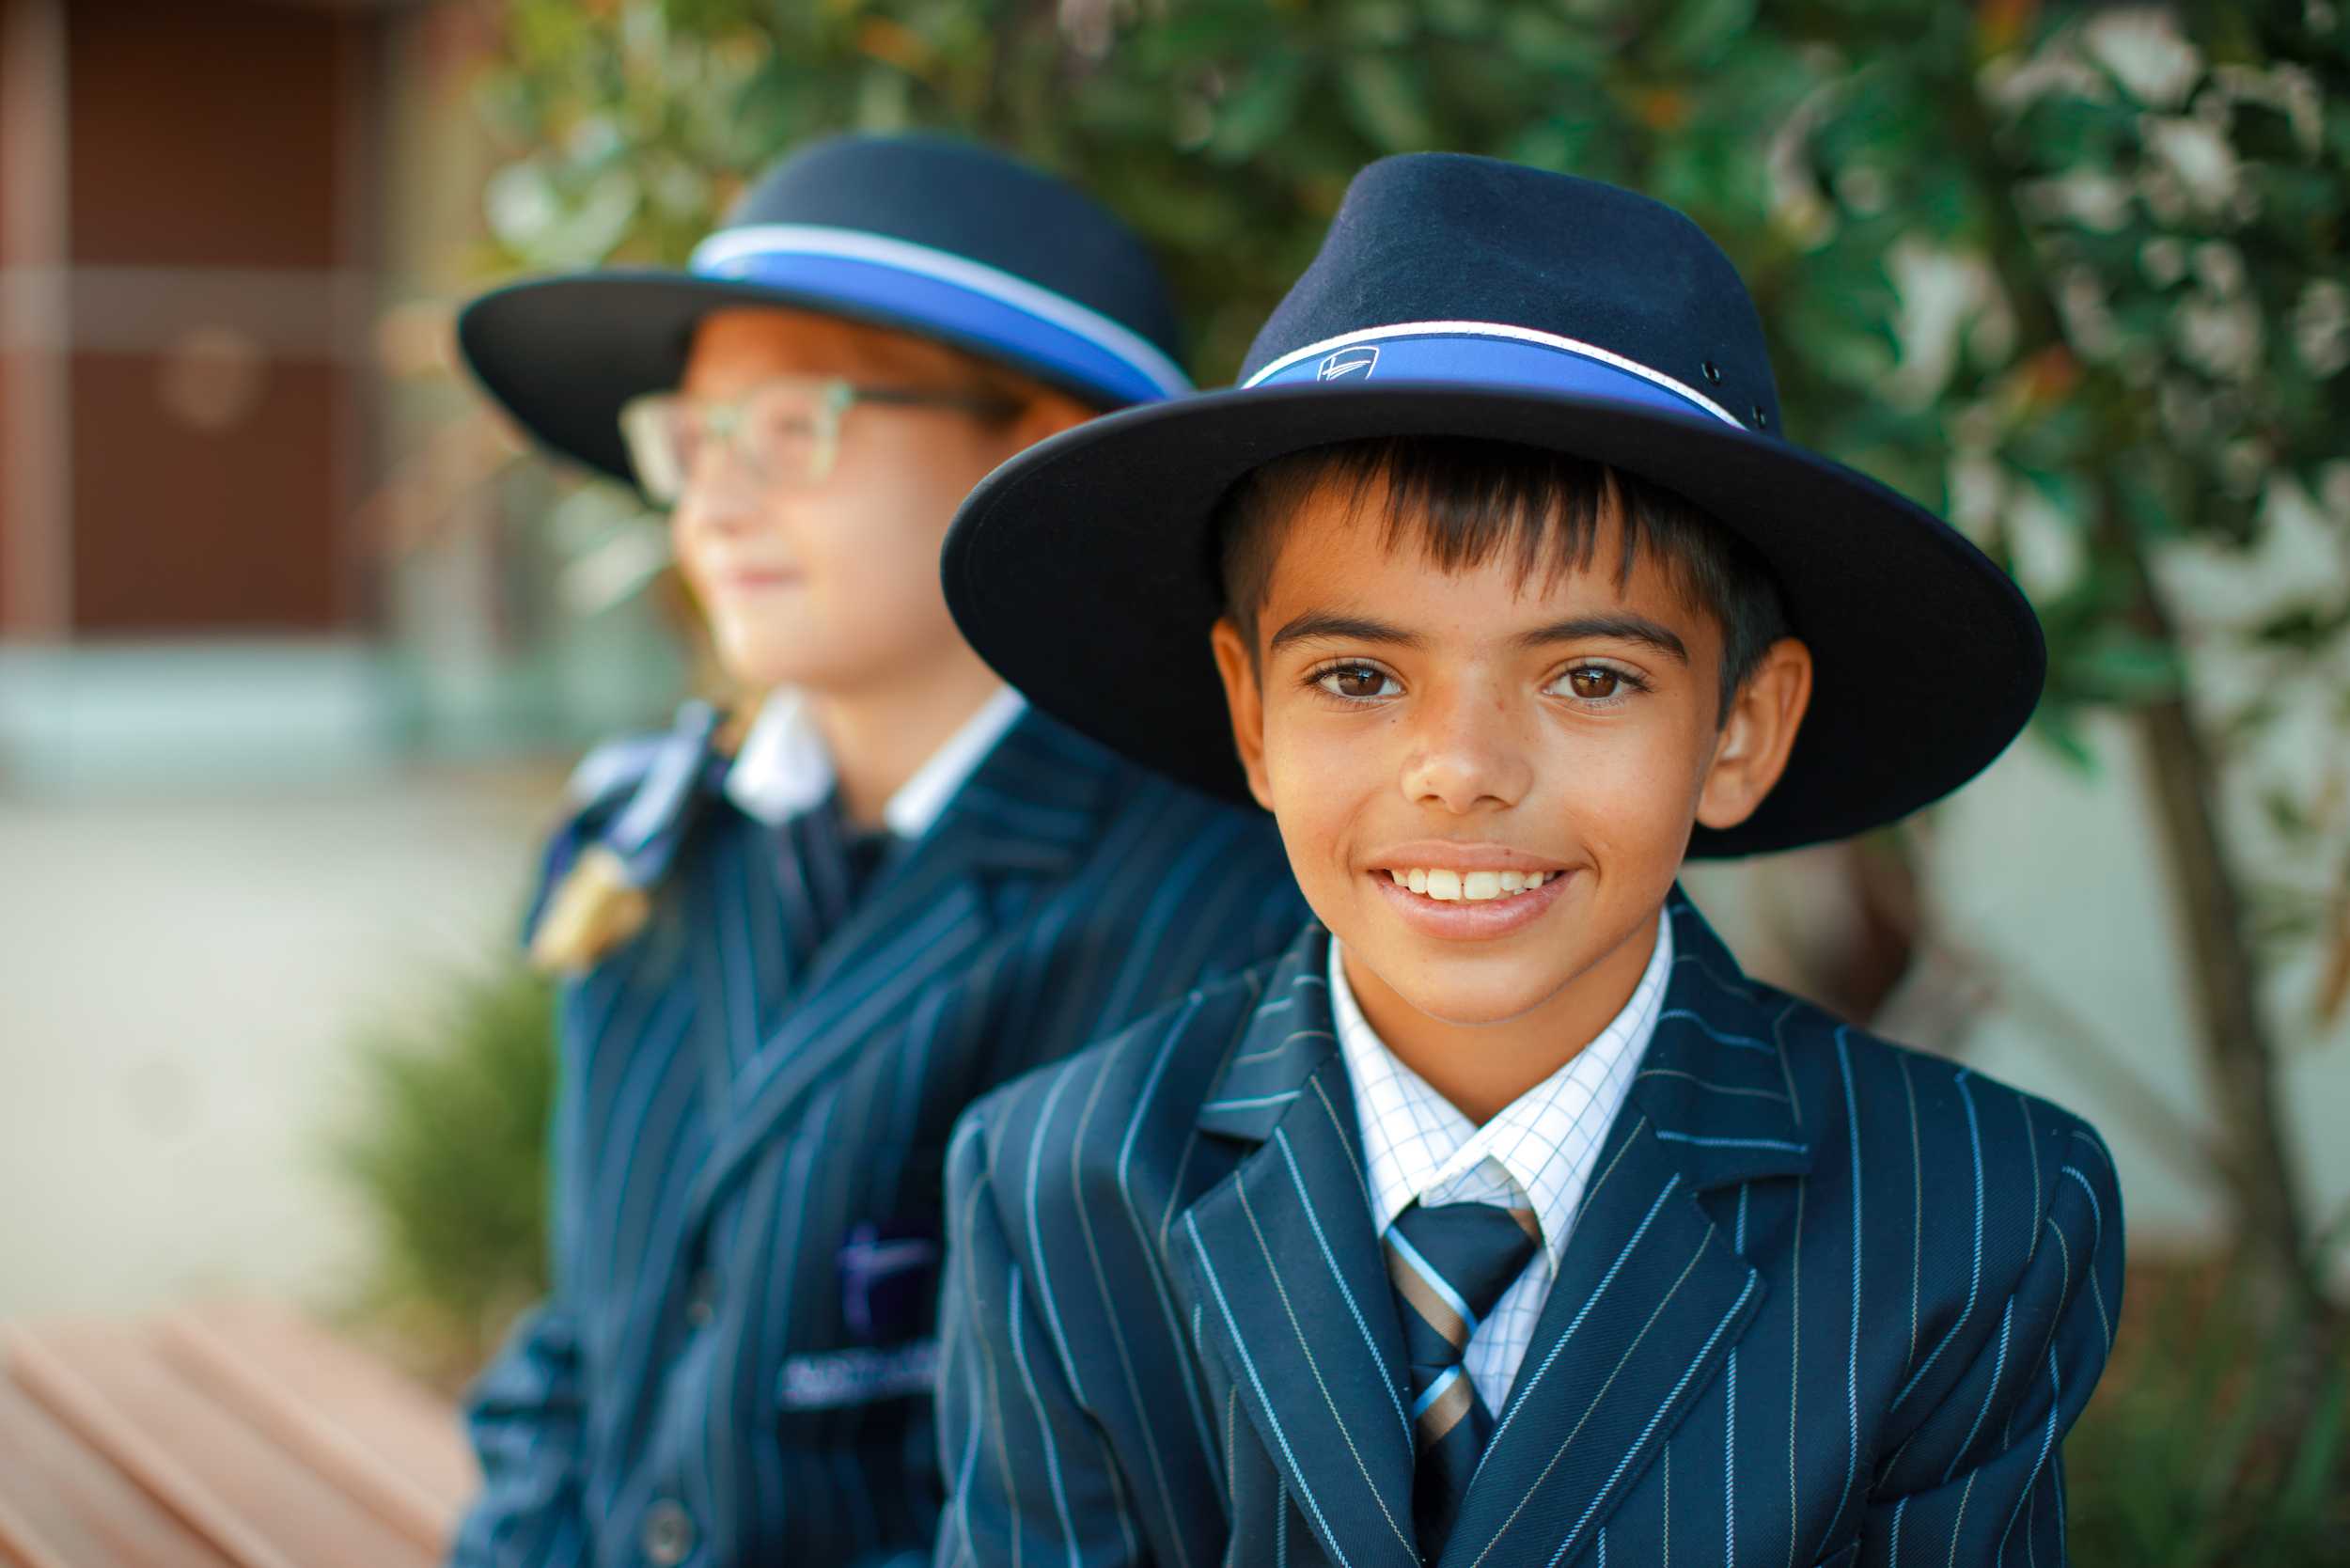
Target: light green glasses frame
[[796, 442]]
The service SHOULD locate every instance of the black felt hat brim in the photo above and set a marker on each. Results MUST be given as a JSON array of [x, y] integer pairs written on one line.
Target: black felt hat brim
[[1084, 573], [563, 355]]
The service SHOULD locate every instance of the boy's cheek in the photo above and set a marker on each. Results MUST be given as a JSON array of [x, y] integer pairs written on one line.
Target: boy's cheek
[[1319, 796]]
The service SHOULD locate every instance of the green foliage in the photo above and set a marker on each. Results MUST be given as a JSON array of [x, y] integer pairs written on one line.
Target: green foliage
[[450, 1160], [2171, 1466]]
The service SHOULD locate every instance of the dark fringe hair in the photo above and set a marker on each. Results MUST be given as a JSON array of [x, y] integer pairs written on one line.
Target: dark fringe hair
[[1464, 501]]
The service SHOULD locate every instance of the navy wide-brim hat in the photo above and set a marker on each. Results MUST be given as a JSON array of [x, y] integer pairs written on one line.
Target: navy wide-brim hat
[[1460, 296], [928, 235]]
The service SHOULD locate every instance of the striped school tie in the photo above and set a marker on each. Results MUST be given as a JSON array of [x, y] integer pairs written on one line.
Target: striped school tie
[[1449, 1264], [827, 864]]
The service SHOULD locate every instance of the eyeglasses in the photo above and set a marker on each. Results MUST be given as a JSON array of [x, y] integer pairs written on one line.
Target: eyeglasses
[[785, 431]]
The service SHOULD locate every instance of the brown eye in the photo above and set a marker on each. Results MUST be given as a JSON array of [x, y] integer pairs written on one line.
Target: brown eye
[[1358, 683], [1593, 684]]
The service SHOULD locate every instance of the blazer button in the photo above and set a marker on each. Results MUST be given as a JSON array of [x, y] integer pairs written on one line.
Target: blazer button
[[668, 1534], [701, 1300]]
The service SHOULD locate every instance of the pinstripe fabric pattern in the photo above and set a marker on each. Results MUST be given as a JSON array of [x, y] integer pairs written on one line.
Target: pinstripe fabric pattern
[[731, 1114], [1168, 1339]]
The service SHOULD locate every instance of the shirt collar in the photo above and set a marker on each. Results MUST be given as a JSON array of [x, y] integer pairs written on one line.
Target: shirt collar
[[1545, 1142], [783, 769]]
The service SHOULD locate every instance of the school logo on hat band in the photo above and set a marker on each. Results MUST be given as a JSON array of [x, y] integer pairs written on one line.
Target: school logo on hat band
[[1487, 353], [913, 280]]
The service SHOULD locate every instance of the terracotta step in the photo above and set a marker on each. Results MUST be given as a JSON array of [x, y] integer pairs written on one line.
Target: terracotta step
[[63, 1506], [372, 1433], [115, 1389]]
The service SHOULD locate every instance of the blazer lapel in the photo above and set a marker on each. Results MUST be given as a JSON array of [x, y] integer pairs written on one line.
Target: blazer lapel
[[1649, 1295], [1027, 812], [1282, 1265]]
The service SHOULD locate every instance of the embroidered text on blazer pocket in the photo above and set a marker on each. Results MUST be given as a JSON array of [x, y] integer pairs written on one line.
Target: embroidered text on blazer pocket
[[834, 1379]]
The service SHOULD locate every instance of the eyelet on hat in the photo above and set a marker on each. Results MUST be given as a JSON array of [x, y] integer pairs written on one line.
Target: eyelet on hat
[[1761, 421], [1713, 372]]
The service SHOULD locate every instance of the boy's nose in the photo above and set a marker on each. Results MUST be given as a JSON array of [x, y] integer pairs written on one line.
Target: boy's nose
[[1465, 760], [720, 499]]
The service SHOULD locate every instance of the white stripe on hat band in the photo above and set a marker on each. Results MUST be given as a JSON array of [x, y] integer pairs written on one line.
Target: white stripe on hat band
[[794, 239], [1501, 329]]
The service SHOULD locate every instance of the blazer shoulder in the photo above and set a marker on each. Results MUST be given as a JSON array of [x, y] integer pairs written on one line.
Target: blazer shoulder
[[1125, 1102], [1191, 887], [1183, 814], [1885, 1073], [1850, 1082], [1995, 1169], [630, 815]]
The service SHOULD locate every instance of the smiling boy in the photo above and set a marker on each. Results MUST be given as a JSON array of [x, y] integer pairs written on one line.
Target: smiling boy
[[1503, 1220], [789, 963]]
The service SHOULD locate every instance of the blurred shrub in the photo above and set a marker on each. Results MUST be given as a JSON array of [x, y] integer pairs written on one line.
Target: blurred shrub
[[2173, 1466], [449, 1163]]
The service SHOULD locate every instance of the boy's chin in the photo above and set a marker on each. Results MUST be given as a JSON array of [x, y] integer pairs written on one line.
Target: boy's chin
[[757, 659], [1438, 988]]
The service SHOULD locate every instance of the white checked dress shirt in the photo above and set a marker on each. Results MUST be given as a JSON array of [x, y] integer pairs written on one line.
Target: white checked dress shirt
[[1537, 1153]]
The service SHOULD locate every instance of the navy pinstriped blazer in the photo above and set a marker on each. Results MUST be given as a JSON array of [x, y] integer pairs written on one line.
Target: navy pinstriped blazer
[[736, 1361], [1826, 1301]]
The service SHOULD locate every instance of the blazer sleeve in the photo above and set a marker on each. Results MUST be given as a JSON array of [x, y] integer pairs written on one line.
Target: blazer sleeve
[[524, 1418], [1980, 1478], [526, 1413], [1030, 1477]]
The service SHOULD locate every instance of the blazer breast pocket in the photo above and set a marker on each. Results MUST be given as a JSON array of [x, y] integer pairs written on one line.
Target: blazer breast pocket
[[861, 1374]]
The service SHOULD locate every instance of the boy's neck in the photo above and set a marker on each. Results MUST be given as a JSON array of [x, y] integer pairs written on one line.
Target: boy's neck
[[879, 735], [1481, 1068]]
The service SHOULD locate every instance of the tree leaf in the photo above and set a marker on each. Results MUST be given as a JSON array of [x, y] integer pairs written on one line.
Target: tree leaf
[[1386, 103]]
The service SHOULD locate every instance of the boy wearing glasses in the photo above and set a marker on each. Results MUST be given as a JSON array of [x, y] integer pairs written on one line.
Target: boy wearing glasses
[[797, 948]]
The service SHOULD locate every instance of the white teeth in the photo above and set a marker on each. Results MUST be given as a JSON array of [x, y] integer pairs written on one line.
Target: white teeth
[[1439, 882]]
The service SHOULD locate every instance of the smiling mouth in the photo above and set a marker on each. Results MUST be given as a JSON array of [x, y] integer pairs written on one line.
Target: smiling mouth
[[1443, 885], [744, 579]]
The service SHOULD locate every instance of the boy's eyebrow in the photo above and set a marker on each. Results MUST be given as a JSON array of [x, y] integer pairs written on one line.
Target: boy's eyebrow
[[1624, 628], [1323, 626]]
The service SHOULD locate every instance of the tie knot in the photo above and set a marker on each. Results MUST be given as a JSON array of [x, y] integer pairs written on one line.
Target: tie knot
[[1451, 1263], [827, 863]]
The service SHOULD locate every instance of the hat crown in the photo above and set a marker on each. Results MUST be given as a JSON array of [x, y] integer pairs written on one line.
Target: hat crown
[[970, 202], [1432, 237]]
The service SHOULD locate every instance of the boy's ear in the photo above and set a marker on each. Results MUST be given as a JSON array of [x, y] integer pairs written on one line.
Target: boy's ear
[[1751, 750], [1244, 698]]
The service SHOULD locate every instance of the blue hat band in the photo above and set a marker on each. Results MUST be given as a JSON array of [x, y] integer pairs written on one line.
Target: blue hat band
[[1487, 354], [972, 302]]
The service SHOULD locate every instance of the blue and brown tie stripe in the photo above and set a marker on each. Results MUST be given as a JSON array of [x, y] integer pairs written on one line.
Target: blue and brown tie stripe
[[1449, 1264]]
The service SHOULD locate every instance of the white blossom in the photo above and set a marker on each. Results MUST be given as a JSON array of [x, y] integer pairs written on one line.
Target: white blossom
[[2142, 45]]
